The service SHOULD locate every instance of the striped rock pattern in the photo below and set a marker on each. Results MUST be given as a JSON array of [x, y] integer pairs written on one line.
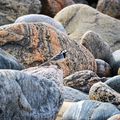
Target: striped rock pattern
[[34, 44]]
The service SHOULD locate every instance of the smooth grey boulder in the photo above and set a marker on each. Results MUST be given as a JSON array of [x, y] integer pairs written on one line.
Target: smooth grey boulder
[[28, 97]]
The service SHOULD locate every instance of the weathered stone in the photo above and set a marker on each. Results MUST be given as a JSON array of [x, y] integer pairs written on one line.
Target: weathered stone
[[115, 117], [78, 19], [40, 18], [96, 45], [90, 110], [82, 80], [7, 61], [103, 68], [73, 95], [11, 9], [81, 1], [25, 97], [35, 43], [109, 7]]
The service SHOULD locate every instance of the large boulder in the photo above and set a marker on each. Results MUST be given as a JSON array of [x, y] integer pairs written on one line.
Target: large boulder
[[10, 10], [25, 97], [79, 18], [35, 43]]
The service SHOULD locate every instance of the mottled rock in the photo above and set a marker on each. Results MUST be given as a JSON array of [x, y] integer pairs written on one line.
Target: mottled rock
[[115, 117], [90, 110], [25, 97], [82, 80], [103, 68], [40, 18], [73, 95], [7, 61], [78, 19], [81, 1], [12, 9], [109, 7], [102, 92], [36, 43], [96, 45]]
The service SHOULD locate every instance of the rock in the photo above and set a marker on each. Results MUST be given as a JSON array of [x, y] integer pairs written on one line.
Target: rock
[[40, 18], [115, 117], [90, 110], [73, 95], [103, 68], [78, 19], [82, 80], [109, 7], [7, 61], [81, 1], [114, 83], [52, 7], [96, 45], [102, 92], [36, 43], [10, 10], [26, 97]]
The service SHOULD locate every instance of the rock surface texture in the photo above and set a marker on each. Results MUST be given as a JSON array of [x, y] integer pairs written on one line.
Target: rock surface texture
[[115, 117], [78, 19]]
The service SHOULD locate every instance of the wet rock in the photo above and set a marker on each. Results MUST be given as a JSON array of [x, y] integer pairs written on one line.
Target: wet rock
[[10, 10], [90, 110], [73, 95], [7, 61], [115, 117], [36, 43], [82, 80], [78, 19], [103, 68], [96, 45], [109, 7], [40, 18], [26, 97]]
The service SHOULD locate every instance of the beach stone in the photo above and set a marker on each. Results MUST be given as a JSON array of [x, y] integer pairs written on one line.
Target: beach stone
[[7, 61], [40, 18], [102, 92], [10, 10], [80, 18], [73, 95], [109, 7], [36, 43], [82, 80], [90, 110], [115, 117], [103, 68], [96, 45], [25, 97]]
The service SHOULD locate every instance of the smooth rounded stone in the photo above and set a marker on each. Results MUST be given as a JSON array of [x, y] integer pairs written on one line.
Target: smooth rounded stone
[[103, 68], [82, 80], [36, 43], [12, 9], [96, 45], [79, 18], [114, 83], [115, 117], [52, 7], [109, 7], [73, 95], [102, 92], [115, 62], [7, 61], [26, 97], [40, 18], [90, 110]]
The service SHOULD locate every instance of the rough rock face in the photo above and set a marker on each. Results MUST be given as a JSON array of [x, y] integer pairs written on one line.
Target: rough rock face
[[78, 19], [52, 7], [26, 97], [81, 1], [34, 44], [115, 117], [96, 45], [90, 110], [82, 80], [7, 61], [109, 7], [12, 9]]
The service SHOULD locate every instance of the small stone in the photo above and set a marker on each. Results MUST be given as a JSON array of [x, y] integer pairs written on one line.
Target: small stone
[[115, 117]]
